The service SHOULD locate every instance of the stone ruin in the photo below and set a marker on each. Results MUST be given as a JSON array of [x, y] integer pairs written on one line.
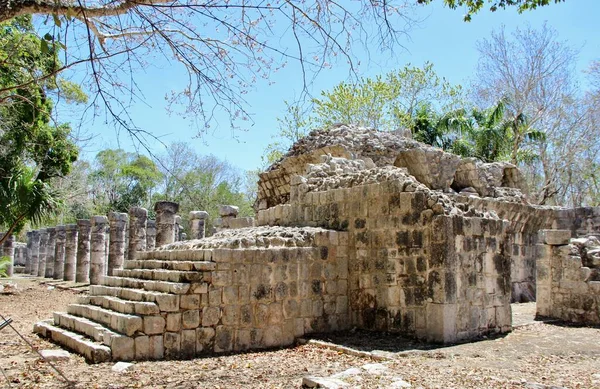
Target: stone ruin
[[355, 228]]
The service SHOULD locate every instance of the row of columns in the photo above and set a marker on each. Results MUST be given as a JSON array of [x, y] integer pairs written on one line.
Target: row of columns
[[90, 249]]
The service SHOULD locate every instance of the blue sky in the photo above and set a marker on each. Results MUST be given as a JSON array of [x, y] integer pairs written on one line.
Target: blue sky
[[441, 38]]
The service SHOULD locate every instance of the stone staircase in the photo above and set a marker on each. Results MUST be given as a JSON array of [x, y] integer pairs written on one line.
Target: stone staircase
[[126, 317]]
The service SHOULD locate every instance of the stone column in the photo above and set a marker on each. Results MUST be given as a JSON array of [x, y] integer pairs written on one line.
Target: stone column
[[116, 248], [178, 229], [50, 247], [82, 272], [198, 224], [227, 213], [8, 250], [42, 252], [28, 252], [70, 252], [150, 234], [35, 252], [165, 222], [98, 248], [59, 253], [137, 230]]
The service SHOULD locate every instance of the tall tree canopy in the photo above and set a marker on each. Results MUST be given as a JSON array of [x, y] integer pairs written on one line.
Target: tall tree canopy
[[33, 149]]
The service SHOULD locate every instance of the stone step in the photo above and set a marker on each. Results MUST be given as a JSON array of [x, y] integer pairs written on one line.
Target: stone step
[[119, 322], [92, 351], [119, 305], [170, 265], [155, 286], [84, 326], [195, 254], [163, 275], [166, 302]]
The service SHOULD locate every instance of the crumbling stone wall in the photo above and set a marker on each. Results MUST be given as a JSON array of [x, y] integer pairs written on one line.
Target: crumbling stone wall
[[568, 273], [407, 246]]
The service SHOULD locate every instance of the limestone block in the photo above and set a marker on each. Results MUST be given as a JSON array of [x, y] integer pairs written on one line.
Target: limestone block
[[174, 322], [273, 336], [228, 210], [442, 322], [190, 301], [154, 325], [210, 316], [188, 343], [157, 349], [486, 177], [556, 237], [55, 355], [242, 339], [205, 338], [430, 166], [223, 339], [190, 319], [168, 302], [122, 348], [172, 345], [142, 348]]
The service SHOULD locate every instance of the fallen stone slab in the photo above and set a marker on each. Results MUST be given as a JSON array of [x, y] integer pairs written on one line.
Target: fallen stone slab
[[120, 367], [55, 355], [320, 382]]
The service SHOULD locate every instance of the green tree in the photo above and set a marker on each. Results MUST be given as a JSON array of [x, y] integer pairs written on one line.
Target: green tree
[[474, 6], [394, 101], [33, 149], [201, 183], [120, 180]]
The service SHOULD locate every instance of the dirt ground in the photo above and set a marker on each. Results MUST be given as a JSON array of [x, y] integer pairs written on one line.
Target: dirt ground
[[542, 353]]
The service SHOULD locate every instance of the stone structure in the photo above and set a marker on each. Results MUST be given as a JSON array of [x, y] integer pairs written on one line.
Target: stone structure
[[28, 252], [150, 234], [98, 248], [568, 277], [59, 253], [35, 251], [19, 264], [50, 252], [8, 250], [178, 228], [355, 228], [116, 251], [166, 212], [42, 252], [137, 230], [82, 271], [198, 224], [71, 235]]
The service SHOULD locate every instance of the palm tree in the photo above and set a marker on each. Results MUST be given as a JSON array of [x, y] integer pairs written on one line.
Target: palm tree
[[491, 136], [24, 197]]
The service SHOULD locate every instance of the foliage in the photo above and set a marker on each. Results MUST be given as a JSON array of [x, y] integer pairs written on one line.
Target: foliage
[[202, 183], [33, 149], [4, 264], [389, 102], [121, 180], [474, 6]]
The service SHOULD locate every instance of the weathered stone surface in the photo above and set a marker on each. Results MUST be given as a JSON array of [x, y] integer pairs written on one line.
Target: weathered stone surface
[[8, 250], [50, 252], [42, 253], [486, 178], [71, 236], [99, 226], [82, 272], [59, 253], [137, 231], [166, 211], [150, 234], [556, 237], [431, 166], [228, 210], [116, 252], [55, 355]]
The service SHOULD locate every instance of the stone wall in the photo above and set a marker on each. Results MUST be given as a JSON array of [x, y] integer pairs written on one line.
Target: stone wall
[[525, 221], [417, 264], [568, 274]]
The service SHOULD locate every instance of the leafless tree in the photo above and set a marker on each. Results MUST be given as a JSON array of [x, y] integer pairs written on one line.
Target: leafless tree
[[224, 46], [534, 72]]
